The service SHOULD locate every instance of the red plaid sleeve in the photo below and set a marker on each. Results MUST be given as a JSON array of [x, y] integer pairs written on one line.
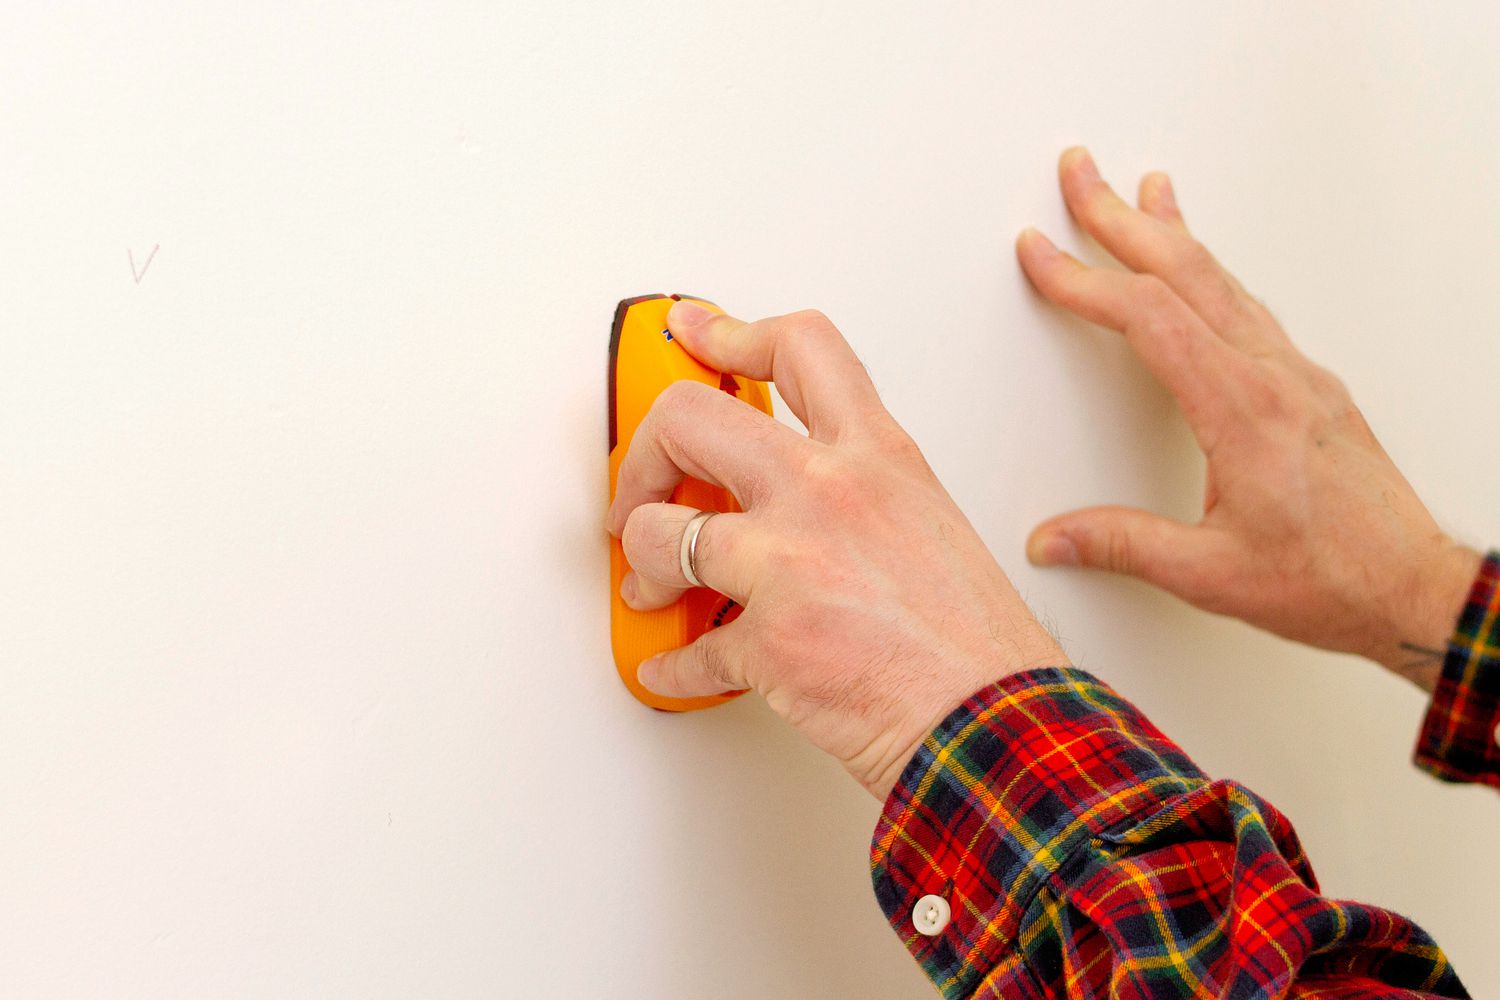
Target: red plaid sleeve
[[1458, 741], [1047, 840]]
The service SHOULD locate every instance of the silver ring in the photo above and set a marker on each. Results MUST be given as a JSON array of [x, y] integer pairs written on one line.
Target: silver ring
[[687, 556]]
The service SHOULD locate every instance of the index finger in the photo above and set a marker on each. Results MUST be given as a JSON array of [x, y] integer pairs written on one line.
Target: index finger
[[1196, 366], [814, 368]]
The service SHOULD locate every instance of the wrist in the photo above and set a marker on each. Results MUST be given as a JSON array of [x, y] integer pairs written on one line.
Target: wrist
[[1426, 613], [1033, 648]]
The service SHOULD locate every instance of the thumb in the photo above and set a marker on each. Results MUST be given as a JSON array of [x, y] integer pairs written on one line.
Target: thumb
[[1124, 540], [708, 665]]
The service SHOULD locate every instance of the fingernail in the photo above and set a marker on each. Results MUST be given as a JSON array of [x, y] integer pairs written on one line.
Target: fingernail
[[1086, 165], [1054, 550], [629, 588], [646, 673], [1039, 244], [1165, 192], [686, 314]]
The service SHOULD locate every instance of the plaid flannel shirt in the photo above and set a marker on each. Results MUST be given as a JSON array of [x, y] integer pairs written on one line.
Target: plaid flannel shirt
[[1046, 840], [1459, 736]]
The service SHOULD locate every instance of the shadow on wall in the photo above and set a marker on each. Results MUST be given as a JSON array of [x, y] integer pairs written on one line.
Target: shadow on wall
[[768, 839]]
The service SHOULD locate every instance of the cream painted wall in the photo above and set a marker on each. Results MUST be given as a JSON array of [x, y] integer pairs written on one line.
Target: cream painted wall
[[305, 687]]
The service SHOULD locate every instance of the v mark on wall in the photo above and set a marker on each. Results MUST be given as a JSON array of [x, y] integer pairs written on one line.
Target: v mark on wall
[[138, 275]]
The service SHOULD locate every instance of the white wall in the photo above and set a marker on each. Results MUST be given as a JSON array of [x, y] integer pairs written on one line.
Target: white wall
[[305, 687]]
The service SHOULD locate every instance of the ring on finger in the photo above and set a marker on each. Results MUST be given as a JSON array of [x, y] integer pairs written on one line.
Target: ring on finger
[[687, 556]]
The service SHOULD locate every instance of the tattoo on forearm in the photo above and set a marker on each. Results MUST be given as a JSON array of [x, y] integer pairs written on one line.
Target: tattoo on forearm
[[1421, 655]]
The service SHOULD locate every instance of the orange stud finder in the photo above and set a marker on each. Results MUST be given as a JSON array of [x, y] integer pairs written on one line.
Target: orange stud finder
[[644, 360]]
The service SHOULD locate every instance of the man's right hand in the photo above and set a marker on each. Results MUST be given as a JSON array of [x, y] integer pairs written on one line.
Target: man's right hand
[[1308, 530], [872, 609]]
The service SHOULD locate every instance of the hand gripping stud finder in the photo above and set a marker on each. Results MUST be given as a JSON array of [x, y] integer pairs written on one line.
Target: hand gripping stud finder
[[644, 360]]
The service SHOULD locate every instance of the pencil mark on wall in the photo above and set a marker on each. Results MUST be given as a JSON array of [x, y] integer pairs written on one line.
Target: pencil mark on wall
[[466, 142], [138, 275]]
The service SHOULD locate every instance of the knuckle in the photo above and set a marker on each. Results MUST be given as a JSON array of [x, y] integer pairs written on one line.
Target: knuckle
[[794, 560], [1195, 266], [681, 405], [682, 396], [1195, 259], [808, 331], [1328, 385], [1169, 336], [1119, 552], [1170, 330], [832, 484], [892, 442], [1268, 396], [1263, 397], [1153, 293], [810, 320], [646, 539], [1351, 420]]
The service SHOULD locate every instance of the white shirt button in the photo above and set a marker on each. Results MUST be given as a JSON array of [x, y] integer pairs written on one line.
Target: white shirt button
[[931, 915]]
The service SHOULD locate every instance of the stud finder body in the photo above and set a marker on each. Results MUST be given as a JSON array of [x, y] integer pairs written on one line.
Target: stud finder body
[[644, 360]]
